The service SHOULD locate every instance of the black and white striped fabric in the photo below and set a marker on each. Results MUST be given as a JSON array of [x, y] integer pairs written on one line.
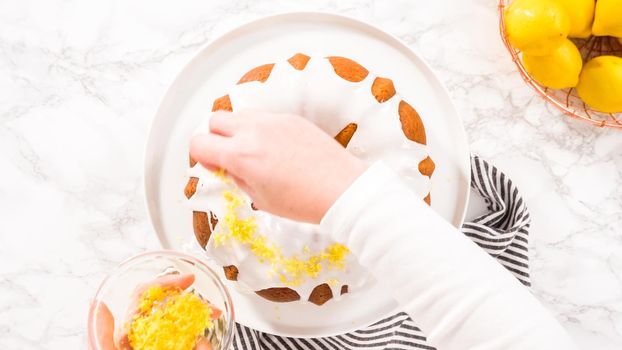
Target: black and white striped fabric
[[502, 233]]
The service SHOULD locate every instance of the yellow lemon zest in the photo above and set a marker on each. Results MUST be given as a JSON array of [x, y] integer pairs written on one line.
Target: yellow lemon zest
[[335, 254], [169, 319], [291, 271]]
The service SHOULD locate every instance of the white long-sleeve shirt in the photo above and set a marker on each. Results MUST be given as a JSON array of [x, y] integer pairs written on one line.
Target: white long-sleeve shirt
[[458, 295]]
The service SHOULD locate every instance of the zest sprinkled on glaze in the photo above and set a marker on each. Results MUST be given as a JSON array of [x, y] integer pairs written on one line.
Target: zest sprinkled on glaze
[[291, 271]]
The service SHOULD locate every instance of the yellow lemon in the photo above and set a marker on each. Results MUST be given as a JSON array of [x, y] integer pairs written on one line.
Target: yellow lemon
[[536, 27], [581, 14], [558, 70], [608, 18], [600, 84]]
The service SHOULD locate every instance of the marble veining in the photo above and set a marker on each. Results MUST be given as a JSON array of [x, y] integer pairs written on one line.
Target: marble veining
[[81, 80]]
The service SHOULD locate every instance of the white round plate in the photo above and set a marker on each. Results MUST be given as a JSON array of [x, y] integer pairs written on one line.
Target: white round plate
[[219, 66]]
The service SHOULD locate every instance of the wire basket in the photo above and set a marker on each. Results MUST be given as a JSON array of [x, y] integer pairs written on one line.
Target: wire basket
[[567, 100]]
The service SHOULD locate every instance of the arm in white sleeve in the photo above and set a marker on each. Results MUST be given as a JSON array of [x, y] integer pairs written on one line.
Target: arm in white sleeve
[[459, 296]]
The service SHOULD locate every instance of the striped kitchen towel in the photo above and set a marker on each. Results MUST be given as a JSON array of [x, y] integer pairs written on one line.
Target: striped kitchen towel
[[502, 233]]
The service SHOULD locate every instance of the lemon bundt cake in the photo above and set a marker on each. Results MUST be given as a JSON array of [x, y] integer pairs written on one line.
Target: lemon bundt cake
[[279, 259]]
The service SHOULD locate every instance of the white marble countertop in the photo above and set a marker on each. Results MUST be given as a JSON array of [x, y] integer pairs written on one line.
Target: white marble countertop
[[80, 82]]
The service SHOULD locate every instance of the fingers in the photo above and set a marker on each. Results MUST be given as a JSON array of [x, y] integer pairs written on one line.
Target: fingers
[[175, 281], [225, 124], [210, 150], [203, 344], [216, 312], [104, 327], [124, 342], [240, 183]]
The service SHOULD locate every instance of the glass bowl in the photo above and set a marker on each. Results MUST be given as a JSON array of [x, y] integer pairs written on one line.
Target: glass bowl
[[567, 100], [116, 290]]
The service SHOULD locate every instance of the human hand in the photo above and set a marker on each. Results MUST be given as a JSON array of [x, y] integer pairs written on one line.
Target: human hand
[[286, 164], [104, 320]]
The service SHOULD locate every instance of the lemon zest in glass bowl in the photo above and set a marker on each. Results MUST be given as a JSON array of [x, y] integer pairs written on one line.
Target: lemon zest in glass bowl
[[169, 319]]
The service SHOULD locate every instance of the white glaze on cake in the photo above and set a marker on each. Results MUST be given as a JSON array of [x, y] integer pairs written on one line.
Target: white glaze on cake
[[320, 95]]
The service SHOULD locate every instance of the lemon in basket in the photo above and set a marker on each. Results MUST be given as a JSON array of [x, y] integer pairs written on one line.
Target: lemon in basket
[[558, 70], [581, 14], [600, 84], [608, 18], [536, 27]]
